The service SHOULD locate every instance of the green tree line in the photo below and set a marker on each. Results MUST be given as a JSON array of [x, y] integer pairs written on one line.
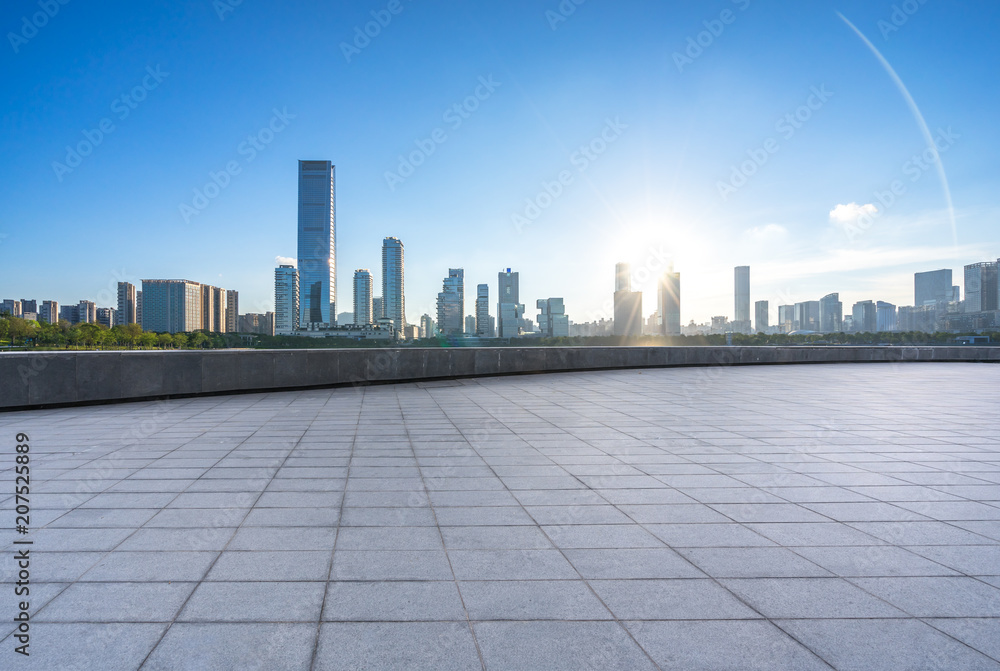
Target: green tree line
[[17, 332]]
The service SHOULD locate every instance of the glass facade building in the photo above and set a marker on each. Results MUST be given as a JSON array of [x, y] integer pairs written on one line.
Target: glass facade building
[[286, 300], [393, 301], [363, 297], [317, 249], [451, 303], [171, 306], [669, 300]]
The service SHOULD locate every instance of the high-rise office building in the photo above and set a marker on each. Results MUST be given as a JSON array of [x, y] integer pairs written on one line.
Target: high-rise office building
[[171, 306], [317, 248], [786, 318], [126, 304], [49, 312], [831, 314], [262, 324], [67, 313], [470, 325], [213, 309], [286, 300], [932, 287], [11, 307], [393, 299], [761, 316], [451, 303], [138, 308], [669, 303], [86, 312], [363, 297], [232, 310], [627, 303], [981, 288], [885, 317], [806, 316], [864, 317], [483, 329], [552, 319], [426, 326], [510, 311], [105, 317], [741, 323], [29, 305], [378, 309], [623, 277]]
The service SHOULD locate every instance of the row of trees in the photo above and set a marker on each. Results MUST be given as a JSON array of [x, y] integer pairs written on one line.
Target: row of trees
[[17, 332]]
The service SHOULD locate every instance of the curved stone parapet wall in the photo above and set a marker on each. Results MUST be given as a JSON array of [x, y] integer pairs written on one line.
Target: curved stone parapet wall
[[47, 379]]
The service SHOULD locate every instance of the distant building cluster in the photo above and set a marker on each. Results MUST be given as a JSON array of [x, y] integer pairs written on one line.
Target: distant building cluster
[[305, 299]]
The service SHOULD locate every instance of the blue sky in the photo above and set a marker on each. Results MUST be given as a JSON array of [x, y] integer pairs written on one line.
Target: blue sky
[[665, 123]]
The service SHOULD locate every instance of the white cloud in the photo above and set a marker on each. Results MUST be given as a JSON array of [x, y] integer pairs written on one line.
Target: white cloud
[[284, 261], [849, 214]]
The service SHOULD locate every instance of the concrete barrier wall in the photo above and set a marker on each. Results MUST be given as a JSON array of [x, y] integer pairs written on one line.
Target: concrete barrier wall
[[45, 379]]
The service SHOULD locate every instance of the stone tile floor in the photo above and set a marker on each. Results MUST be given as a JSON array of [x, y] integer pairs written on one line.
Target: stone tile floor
[[784, 517]]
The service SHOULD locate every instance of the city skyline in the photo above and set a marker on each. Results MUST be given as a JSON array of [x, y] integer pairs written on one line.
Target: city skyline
[[635, 154]]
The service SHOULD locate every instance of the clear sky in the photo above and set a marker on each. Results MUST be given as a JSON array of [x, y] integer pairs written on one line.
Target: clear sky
[[179, 87]]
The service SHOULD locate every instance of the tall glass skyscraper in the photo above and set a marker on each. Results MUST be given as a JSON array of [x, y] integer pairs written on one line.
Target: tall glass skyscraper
[[317, 244], [510, 311], [742, 321], [363, 297], [286, 300], [669, 303], [393, 302], [451, 303], [483, 329]]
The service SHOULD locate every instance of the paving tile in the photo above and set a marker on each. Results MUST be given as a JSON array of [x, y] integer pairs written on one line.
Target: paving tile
[[632, 563], [809, 598], [873, 560], [983, 634], [767, 562], [936, 597], [271, 566], [390, 565], [532, 600], [89, 646], [511, 565], [190, 646], [708, 535], [559, 645], [150, 566], [393, 601], [723, 644], [256, 601], [670, 600], [601, 536], [884, 645], [444, 646], [117, 602], [495, 538]]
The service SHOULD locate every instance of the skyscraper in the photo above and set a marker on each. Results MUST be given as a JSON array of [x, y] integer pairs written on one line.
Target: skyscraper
[[864, 317], [451, 303], [932, 287], [483, 329], [213, 309], [286, 300], [232, 311], [126, 313], [317, 270], [393, 300], [981, 287], [786, 318], [49, 312], [742, 321], [363, 297], [761, 314], [87, 312], [831, 314], [426, 326], [669, 303], [885, 316], [628, 303], [510, 311], [806, 316], [470, 325], [170, 306], [552, 319], [138, 308]]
